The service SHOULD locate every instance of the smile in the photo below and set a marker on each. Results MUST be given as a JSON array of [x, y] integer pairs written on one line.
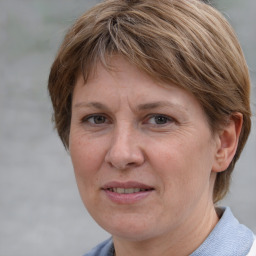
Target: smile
[[130, 192], [127, 190]]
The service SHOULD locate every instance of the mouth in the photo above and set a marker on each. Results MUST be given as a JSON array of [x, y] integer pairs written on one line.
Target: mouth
[[127, 193], [127, 190]]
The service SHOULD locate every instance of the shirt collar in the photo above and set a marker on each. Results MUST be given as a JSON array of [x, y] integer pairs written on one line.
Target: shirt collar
[[228, 238]]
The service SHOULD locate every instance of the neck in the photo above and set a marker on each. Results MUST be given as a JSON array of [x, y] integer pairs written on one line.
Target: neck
[[179, 242]]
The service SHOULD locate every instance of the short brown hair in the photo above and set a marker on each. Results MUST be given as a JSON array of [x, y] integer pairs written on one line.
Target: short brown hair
[[183, 42]]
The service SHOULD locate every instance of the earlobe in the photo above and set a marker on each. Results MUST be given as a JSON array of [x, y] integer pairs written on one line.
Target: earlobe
[[228, 139]]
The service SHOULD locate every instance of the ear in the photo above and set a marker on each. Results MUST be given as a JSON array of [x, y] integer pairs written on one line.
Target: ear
[[227, 141]]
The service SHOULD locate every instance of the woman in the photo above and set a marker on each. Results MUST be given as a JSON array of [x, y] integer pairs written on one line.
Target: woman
[[151, 98]]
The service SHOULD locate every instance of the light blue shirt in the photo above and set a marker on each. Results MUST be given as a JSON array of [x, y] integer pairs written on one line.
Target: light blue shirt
[[228, 238]]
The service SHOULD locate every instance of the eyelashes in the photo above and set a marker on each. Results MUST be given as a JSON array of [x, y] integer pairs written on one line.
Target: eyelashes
[[96, 119], [159, 119], [151, 119]]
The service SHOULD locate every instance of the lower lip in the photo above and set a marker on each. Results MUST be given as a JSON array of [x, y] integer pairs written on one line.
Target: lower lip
[[127, 198]]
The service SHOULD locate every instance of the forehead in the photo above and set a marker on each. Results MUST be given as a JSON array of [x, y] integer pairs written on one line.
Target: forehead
[[120, 74], [124, 82]]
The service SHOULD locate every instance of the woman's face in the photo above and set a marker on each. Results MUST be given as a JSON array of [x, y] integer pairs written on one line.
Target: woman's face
[[142, 153]]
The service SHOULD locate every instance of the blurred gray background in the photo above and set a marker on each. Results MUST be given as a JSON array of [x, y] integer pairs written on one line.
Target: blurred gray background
[[40, 209]]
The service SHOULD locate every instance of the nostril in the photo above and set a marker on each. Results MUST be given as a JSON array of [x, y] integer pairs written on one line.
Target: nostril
[[131, 164], [121, 164], [124, 152]]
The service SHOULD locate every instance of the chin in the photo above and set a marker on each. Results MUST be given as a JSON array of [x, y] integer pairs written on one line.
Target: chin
[[130, 227], [134, 235]]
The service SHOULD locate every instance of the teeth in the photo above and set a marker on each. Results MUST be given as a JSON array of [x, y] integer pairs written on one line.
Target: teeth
[[120, 190], [127, 190]]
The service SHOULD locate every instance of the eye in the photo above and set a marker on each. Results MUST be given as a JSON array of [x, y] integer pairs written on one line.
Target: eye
[[159, 120], [95, 119]]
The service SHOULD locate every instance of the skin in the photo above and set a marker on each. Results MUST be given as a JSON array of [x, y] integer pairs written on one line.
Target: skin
[[126, 127]]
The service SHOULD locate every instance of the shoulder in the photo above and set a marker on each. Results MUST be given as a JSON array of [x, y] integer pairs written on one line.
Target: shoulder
[[253, 248], [228, 238], [105, 248]]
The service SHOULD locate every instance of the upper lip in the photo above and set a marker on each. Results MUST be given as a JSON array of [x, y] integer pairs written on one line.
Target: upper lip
[[128, 184]]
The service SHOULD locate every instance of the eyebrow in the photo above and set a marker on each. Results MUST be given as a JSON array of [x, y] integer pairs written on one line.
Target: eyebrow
[[158, 104], [140, 107], [96, 105]]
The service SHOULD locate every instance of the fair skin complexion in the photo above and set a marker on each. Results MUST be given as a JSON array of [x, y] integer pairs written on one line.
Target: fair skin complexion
[[145, 161]]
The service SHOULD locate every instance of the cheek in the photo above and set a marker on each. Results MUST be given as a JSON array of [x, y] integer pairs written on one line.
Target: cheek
[[86, 163], [183, 164], [87, 158]]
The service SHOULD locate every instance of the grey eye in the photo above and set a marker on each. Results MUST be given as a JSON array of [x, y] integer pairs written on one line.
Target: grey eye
[[159, 120], [97, 119]]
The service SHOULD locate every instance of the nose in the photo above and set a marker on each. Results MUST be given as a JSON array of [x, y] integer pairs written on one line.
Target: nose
[[125, 150]]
